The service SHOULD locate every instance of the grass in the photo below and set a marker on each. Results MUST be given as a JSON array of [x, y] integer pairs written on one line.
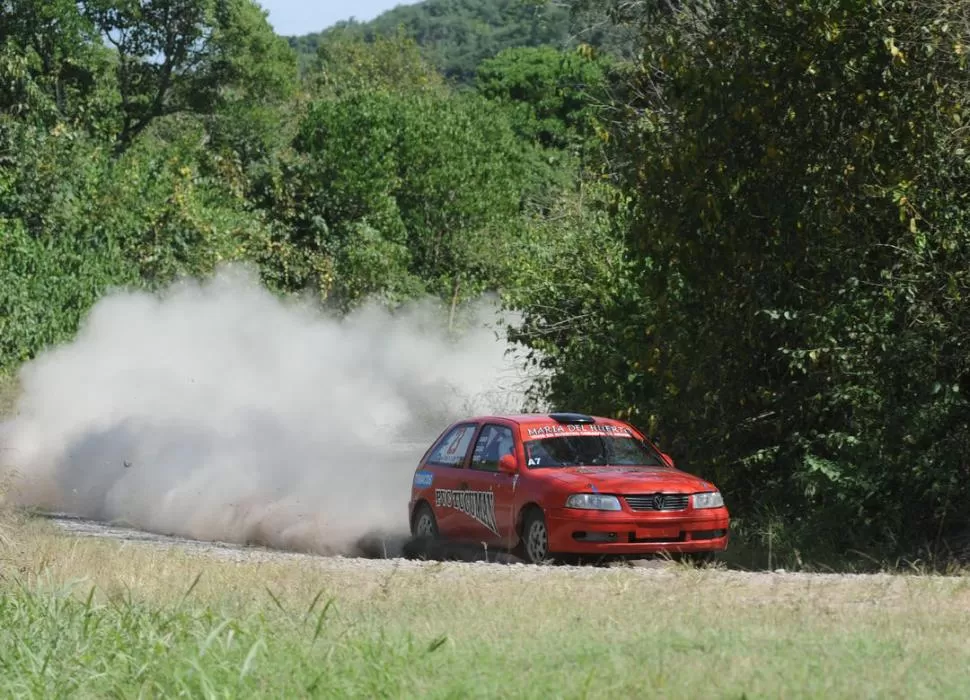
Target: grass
[[90, 618], [9, 391]]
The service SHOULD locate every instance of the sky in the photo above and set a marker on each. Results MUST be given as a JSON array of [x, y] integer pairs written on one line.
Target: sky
[[296, 17]]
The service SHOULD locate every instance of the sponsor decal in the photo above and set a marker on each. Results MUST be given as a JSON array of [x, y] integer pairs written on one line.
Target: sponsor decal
[[423, 479], [579, 429], [643, 472], [453, 447], [477, 505], [455, 451]]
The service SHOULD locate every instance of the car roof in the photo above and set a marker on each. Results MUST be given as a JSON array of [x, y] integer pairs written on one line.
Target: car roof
[[556, 418]]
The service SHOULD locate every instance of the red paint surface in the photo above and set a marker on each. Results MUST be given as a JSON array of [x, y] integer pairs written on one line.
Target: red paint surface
[[503, 498]]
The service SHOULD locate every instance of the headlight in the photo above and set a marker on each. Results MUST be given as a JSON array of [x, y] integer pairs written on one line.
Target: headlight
[[708, 500], [593, 501]]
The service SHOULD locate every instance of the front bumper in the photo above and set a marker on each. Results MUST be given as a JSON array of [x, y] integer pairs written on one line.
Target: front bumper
[[573, 531]]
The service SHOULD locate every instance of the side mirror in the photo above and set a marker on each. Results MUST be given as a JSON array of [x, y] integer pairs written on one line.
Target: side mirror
[[668, 459], [508, 464]]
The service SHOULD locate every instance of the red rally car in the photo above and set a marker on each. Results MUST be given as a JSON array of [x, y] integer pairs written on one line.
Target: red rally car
[[562, 484]]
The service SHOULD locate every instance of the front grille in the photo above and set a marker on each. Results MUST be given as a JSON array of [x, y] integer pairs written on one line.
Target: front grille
[[658, 501], [656, 540]]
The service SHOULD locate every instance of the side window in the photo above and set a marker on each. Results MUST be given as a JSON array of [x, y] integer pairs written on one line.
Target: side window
[[452, 448], [493, 442]]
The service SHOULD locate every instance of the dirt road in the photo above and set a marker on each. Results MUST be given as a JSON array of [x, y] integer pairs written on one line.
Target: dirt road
[[81, 527]]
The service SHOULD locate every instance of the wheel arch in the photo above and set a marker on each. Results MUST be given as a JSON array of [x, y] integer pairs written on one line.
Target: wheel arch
[[521, 515], [417, 507]]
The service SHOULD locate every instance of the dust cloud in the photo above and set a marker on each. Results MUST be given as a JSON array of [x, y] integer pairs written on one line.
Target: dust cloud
[[216, 411]]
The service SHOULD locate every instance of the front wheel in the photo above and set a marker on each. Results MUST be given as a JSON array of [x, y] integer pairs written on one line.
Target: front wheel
[[424, 523], [535, 538]]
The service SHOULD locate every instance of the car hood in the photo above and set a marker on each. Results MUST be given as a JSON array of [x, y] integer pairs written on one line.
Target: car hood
[[623, 480]]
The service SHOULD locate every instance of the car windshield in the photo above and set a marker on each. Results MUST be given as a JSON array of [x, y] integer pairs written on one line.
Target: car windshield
[[590, 451]]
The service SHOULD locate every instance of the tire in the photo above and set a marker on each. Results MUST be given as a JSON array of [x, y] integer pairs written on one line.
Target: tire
[[424, 524], [534, 547]]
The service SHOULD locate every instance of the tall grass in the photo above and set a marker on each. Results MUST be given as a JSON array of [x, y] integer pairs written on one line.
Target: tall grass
[[87, 618], [9, 391], [8, 517], [62, 642], [767, 541]]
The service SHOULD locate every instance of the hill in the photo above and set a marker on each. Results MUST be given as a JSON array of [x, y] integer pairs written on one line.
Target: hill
[[457, 35]]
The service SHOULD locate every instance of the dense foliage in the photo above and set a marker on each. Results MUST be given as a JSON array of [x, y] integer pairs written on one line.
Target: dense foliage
[[555, 95], [144, 141], [401, 203], [749, 235], [457, 35], [797, 179]]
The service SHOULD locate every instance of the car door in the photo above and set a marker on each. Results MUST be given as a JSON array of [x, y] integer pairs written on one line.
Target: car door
[[445, 463], [487, 501]]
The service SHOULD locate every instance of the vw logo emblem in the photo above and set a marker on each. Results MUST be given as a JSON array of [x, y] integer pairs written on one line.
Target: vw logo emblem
[[658, 501]]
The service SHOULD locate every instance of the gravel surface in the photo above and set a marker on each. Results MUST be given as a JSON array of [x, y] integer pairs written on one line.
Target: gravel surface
[[227, 551], [82, 527]]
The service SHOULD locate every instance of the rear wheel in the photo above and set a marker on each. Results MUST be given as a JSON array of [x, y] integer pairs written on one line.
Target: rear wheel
[[424, 523], [535, 537]]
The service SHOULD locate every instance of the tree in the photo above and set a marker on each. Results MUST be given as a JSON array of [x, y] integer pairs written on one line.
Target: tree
[[556, 93], [76, 221], [403, 193], [796, 175], [571, 283], [176, 56], [345, 64], [456, 35], [51, 65], [247, 89]]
